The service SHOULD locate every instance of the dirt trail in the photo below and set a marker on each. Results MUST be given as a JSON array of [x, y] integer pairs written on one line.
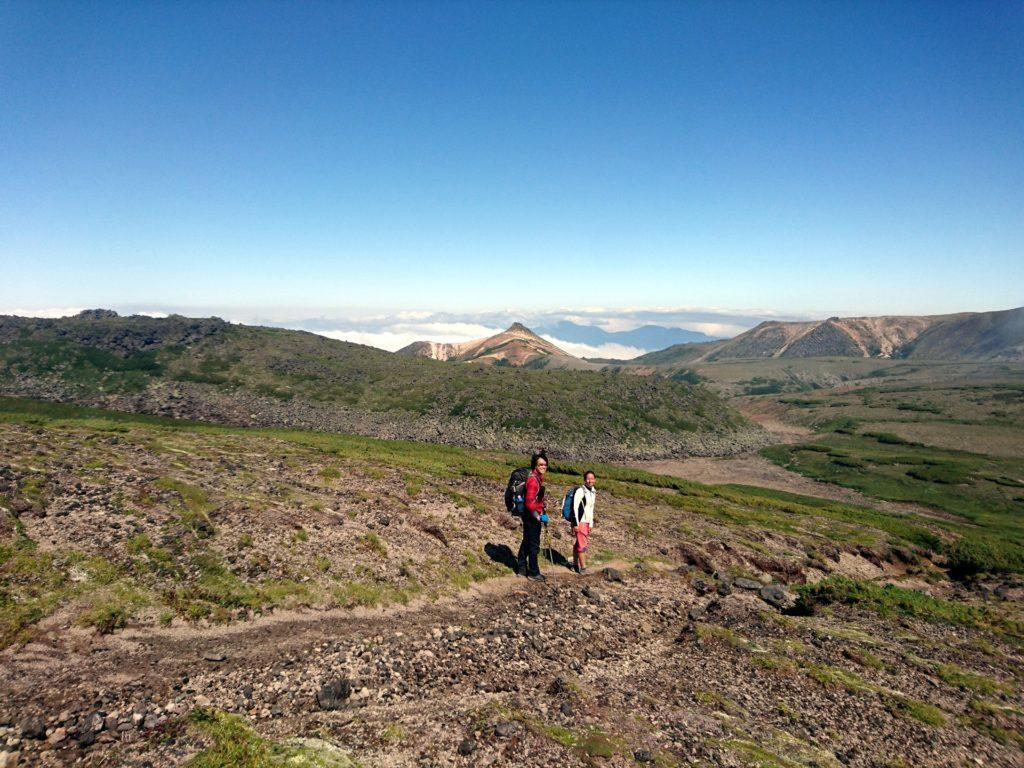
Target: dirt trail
[[156, 655]]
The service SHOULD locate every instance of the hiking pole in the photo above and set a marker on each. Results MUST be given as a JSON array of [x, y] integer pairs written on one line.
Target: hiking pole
[[547, 538]]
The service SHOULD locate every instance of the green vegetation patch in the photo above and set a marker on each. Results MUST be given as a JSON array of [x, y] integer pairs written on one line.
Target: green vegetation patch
[[237, 745], [32, 585], [890, 600], [990, 538], [113, 608]]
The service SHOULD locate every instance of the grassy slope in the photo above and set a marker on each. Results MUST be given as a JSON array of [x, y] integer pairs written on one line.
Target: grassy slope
[[293, 365], [983, 483], [193, 473], [186, 544]]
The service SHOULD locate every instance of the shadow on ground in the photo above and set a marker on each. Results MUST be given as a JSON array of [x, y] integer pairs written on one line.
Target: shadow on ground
[[503, 555]]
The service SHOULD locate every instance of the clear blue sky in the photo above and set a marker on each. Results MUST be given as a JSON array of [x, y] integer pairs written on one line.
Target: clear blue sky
[[801, 157]]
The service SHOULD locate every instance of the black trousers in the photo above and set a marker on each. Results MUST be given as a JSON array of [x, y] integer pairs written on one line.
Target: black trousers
[[530, 547]]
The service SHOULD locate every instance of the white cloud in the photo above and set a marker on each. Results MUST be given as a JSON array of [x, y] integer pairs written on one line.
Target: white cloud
[[46, 312], [614, 351], [381, 339], [394, 337], [451, 332], [724, 330]]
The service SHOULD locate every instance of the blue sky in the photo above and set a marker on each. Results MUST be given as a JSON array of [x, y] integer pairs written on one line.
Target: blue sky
[[303, 160]]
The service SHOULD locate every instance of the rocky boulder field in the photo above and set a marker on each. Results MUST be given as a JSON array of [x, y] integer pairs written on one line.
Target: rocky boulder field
[[175, 594]]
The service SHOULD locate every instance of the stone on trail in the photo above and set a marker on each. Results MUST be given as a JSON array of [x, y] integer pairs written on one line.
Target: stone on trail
[[33, 728], [215, 656], [777, 596], [334, 694], [504, 730], [643, 756], [592, 594], [701, 586], [747, 584], [611, 574], [467, 747]]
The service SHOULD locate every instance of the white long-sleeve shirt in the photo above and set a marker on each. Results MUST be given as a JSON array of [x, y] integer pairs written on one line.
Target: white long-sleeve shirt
[[583, 505]]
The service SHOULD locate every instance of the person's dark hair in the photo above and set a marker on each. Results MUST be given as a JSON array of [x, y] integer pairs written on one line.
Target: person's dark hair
[[589, 472], [537, 457]]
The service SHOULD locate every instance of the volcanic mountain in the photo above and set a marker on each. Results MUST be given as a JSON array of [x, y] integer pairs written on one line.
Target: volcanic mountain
[[516, 346], [963, 336]]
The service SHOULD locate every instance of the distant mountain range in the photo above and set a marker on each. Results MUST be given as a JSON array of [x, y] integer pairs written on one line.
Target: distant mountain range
[[964, 336], [644, 337]]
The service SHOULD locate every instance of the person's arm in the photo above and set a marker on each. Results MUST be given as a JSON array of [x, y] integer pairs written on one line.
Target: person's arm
[[534, 506], [578, 506]]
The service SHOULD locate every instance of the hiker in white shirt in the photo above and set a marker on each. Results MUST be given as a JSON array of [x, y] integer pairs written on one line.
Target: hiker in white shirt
[[582, 521]]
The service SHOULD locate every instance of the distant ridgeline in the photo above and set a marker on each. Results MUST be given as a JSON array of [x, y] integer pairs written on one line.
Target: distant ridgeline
[[210, 370], [965, 336]]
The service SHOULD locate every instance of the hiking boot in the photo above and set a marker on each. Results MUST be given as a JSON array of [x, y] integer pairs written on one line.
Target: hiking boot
[[537, 577]]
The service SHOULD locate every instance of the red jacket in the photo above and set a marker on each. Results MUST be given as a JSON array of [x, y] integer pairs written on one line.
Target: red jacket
[[534, 488]]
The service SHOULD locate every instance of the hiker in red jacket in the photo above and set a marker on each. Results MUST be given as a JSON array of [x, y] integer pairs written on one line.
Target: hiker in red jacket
[[533, 518]]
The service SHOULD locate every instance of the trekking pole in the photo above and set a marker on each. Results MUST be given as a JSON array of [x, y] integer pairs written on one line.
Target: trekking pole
[[547, 537]]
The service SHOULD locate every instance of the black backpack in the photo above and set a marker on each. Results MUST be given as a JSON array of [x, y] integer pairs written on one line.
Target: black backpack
[[515, 491]]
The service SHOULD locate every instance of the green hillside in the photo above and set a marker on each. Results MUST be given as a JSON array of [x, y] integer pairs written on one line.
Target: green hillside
[[214, 371]]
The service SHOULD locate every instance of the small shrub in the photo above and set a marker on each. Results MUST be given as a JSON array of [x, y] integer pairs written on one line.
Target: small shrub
[[393, 734], [847, 461], [113, 611], [974, 554], [918, 407], [948, 474], [330, 473], [906, 707], [966, 680], [374, 543], [888, 438]]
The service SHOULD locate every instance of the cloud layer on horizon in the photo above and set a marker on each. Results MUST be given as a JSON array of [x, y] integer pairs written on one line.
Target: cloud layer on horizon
[[392, 332]]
